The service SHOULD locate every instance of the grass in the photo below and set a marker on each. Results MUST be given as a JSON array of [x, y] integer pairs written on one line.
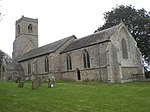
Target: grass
[[76, 97]]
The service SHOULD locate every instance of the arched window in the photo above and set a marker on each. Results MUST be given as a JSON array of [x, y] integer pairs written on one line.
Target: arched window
[[30, 29], [29, 67], [124, 49], [86, 59], [34, 67], [46, 64], [68, 61], [18, 29]]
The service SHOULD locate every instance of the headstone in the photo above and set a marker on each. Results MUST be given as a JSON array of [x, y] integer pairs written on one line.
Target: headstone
[[51, 82], [36, 82], [20, 84]]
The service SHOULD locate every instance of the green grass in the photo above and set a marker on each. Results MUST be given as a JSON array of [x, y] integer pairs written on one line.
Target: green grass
[[76, 97]]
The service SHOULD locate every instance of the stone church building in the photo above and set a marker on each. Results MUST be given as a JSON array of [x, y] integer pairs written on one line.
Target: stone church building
[[110, 55]]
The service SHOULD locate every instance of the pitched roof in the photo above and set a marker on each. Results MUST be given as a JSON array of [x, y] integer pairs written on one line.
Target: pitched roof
[[95, 38], [49, 48]]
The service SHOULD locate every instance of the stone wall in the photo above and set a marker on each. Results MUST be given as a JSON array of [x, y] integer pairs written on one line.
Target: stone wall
[[86, 75], [128, 71], [23, 44], [131, 65], [114, 64], [69, 75], [38, 64], [98, 63]]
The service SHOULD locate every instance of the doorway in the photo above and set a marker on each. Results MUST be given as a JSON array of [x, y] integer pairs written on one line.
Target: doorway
[[78, 74]]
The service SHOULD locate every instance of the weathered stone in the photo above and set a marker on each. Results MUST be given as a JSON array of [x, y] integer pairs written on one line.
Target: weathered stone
[[36, 82], [25, 40]]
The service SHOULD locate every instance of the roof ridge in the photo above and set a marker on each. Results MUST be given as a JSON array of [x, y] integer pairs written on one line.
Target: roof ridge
[[91, 39]]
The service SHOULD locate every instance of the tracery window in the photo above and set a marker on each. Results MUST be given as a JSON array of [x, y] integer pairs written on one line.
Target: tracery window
[[86, 59], [34, 67], [46, 64], [30, 28], [68, 61], [18, 29], [124, 49]]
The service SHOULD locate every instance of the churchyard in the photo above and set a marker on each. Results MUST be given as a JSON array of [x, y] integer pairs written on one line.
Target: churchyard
[[68, 96]]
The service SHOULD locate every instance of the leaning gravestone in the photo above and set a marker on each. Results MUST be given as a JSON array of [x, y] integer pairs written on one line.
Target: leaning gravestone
[[36, 82]]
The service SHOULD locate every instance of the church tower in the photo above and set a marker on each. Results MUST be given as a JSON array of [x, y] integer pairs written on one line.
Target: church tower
[[26, 38]]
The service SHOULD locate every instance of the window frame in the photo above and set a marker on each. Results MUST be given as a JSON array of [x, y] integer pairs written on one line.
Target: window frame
[[86, 59], [46, 64], [30, 28], [68, 62], [18, 29], [124, 49]]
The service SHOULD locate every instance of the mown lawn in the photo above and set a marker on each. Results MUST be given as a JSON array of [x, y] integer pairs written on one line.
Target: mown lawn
[[76, 97]]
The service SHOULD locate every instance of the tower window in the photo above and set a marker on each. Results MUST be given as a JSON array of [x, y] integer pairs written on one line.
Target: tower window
[[86, 59], [46, 64], [18, 29], [124, 49], [68, 61], [30, 28]]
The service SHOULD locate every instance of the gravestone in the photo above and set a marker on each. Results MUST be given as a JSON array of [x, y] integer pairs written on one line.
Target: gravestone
[[36, 82], [51, 82], [20, 84]]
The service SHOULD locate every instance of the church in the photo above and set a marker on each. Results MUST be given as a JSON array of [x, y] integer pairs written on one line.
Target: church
[[110, 55]]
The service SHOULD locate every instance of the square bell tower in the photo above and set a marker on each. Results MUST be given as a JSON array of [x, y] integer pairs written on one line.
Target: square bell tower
[[26, 37]]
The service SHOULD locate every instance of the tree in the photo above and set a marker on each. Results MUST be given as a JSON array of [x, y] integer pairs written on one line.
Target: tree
[[136, 20], [1, 57], [7, 58], [4, 56]]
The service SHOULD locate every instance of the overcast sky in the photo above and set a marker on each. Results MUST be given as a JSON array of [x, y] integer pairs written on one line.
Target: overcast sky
[[57, 18]]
